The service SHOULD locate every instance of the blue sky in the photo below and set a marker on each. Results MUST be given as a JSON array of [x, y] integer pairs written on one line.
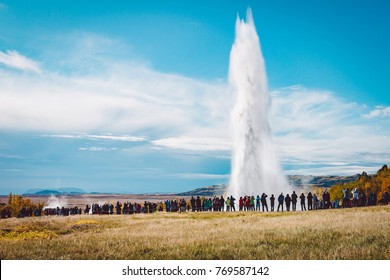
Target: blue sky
[[132, 96]]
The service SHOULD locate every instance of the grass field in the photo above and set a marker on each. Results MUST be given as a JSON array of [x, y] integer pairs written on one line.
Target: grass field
[[360, 233]]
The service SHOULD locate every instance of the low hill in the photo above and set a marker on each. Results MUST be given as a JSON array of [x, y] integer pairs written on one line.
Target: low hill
[[206, 191], [302, 181], [55, 191]]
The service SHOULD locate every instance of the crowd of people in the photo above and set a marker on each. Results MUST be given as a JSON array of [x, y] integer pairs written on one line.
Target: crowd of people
[[23, 212], [62, 211], [246, 203], [310, 201], [119, 208], [354, 198]]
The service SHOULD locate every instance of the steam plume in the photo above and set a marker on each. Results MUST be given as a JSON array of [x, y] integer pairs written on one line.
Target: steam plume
[[255, 168]]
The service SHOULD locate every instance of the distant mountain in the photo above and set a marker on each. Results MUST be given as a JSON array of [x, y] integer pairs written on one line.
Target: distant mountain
[[206, 191], [46, 192], [298, 181], [55, 191], [301, 181]]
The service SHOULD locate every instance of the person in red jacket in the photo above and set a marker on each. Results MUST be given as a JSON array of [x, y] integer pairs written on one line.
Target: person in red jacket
[[248, 203], [241, 203]]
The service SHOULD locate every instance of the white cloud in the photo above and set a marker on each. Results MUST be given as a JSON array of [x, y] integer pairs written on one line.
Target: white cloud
[[311, 127], [3, 6], [125, 138], [123, 99], [194, 144], [315, 128], [300, 110], [15, 60], [339, 170], [378, 112]]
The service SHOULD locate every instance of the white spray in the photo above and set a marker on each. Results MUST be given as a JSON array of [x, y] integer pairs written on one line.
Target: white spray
[[54, 202], [255, 167]]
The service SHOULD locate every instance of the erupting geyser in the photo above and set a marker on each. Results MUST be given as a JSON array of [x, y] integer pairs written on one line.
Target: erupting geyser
[[255, 168]]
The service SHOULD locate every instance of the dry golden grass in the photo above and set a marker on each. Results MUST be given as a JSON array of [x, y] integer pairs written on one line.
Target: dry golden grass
[[362, 233]]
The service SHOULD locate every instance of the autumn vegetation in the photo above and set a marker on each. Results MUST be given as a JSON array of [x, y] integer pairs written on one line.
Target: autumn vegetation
[[17, 204], [378, 184]]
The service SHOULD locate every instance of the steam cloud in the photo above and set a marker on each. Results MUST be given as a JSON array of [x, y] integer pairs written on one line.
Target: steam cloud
[[54, 202], [255, 167]]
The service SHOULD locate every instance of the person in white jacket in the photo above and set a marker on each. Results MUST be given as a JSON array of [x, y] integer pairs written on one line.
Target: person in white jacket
[[355, 197]]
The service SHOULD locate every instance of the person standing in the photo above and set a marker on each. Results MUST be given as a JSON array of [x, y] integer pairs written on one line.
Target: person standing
[[192, 201], [355, 197], [346, 197], [198, 204], [315, 202], [118, 208], [294, 198], [232, 206], [272, 199], [183, 205], [252, 203], [326, 198], [257, 203], [309, 201], [221, 204], [280, 201], [302, 198], [240, 204], [168, 205], [227, 202], [287, 199], [264, 202], [247, 203]]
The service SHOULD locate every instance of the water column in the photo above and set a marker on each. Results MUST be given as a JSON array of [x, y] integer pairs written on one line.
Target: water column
[[255, 167]]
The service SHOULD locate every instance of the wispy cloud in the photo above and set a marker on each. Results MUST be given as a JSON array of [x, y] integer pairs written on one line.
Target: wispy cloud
[[15, 60], [11, 170], [314, 128], [3, 6], [125, 138], [344, 170], [194, 144], [10, 156], [378, 112]]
